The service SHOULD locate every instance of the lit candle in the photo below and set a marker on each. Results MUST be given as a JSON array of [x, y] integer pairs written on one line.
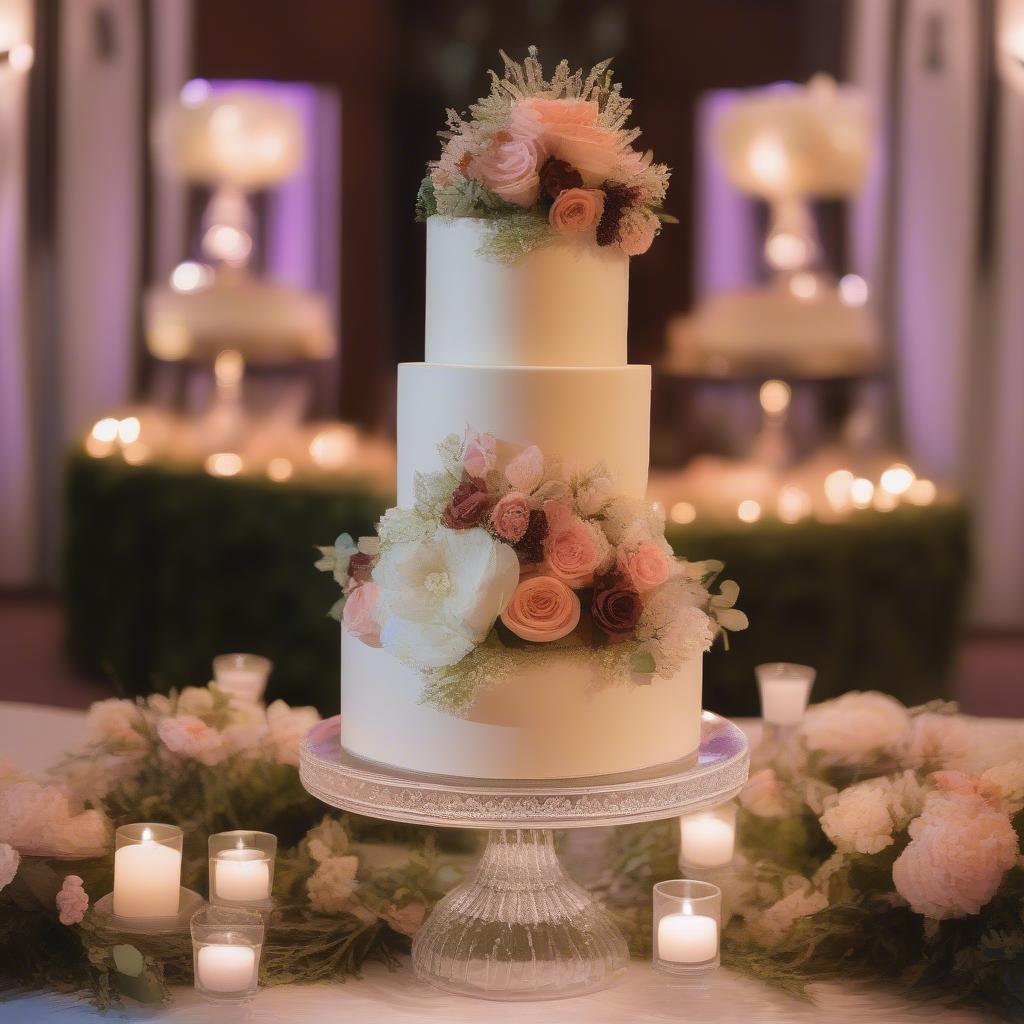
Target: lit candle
[[785, 690], [241, 875], [225, 968], [706, 840], [243, 677], [147, 873], [687, 938]]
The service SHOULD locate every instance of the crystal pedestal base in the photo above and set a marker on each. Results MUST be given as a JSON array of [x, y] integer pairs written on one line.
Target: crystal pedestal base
[[520, 928]]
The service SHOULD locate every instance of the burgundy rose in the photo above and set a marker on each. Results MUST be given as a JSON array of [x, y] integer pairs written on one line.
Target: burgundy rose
[[616, 608], [359, 567], [530, 547], [468, 505], [557, 175]]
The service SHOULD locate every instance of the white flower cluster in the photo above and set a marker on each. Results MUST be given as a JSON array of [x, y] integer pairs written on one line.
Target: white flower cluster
[[333, 883]]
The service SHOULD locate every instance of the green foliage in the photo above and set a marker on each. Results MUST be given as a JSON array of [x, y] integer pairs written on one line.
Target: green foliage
[[426, 203]]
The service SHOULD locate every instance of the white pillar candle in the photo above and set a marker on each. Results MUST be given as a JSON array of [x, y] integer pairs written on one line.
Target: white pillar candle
[[147, 879], [243, 677], [687, 938], [241, 875], [226, 968], [706, 840], [785, 690]]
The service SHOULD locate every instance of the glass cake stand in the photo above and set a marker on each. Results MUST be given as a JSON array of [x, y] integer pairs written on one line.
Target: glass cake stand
[[520, 928]]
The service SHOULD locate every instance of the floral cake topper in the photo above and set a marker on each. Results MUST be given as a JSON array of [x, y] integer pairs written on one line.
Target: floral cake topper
[[505, 558], [546, 158]]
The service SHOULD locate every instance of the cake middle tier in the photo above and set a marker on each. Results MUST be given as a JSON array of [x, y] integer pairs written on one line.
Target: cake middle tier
[[581, 415]]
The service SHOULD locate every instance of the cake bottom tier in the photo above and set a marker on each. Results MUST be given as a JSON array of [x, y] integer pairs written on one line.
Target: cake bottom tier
[[550, 722]]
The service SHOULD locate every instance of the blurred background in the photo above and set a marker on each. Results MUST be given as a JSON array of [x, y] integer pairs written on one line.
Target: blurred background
[[209, 270]]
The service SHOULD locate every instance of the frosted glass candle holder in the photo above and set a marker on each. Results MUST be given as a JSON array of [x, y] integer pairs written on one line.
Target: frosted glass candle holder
[[147, 871], [707, 839], [785, 690], [243, 677], [227, 943], [242, 868], [687, 921]]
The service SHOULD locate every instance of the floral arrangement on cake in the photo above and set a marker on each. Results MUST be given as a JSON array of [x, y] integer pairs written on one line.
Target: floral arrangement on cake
[[347, 889], [505, 557], [543, 158], [883, 844]]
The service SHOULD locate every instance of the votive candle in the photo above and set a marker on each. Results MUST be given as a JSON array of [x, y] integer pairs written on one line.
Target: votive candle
[[242, 867], [147, 870], [687, 922], [243, 677], [226, 946], [226, 969], [687, 938], [707, 839], [785, 689]]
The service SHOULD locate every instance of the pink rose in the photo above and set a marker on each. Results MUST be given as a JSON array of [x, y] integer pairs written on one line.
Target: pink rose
[[637, 229], [191, 737], [574, 549], [960, 849], [576, 209], [480, 454], [72, 900], [592, 150], [468, 505], [511, 516], [762, 795], [535, 115], [358, 613], [647, 565], [509, 170], [542, 609], [968, 785]]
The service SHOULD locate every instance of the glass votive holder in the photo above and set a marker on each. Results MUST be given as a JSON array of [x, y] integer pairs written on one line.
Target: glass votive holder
[[707, 839], [243, 677], [785, 690], [687, 921], [227, 943], [242, 868], [147, 871]]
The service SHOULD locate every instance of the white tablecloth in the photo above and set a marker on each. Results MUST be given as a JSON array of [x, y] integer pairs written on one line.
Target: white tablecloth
[[34, 737]]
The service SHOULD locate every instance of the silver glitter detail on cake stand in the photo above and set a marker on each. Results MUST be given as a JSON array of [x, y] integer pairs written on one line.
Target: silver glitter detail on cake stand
[[520, 928]]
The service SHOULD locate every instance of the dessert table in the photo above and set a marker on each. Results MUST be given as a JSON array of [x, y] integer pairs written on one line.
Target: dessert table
[[33, 737]]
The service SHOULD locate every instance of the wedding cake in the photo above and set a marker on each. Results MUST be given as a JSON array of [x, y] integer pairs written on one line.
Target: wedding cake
[[519, 614]]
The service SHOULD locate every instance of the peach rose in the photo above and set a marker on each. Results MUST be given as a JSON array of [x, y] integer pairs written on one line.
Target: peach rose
[[576, 209], [637, 229], [647, 565], [535, 115], [509, 170], [358, 613], [960, 849], [574, 549], [511, 516], [542, 609], [592, 150]]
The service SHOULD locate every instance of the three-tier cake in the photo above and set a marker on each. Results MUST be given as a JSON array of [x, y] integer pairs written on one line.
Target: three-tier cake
[[520, 614]]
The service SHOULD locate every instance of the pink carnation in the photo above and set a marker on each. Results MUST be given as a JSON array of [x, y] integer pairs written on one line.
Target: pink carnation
[[576, 209], [647, 565], [511, 516], [574, 549], [358, 614], [72, 900], [960, 849], [542, 609], [509, 170], [480, 454], [637, 229], [190, 736]]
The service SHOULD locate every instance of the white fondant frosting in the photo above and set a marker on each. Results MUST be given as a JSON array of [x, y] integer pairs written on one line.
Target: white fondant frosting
[[583, 416], [549, 723], [564, 304]]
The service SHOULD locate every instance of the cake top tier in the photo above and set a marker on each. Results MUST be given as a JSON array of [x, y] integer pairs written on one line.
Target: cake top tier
[[540, 159]]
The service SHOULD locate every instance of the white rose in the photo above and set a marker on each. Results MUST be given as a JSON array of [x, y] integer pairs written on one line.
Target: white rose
[[440, 596], [855, 726]]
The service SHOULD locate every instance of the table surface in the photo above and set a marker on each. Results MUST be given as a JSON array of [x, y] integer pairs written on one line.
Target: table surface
[[34, 737]]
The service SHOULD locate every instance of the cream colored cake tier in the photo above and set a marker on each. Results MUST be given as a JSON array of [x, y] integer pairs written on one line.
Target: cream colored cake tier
[[533, 353], [773, 331]]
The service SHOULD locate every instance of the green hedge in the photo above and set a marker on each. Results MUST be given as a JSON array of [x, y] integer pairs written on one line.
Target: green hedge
[[164, 568]]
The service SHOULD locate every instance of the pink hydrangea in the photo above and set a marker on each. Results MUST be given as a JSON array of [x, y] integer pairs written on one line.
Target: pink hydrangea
[[960, 848], [189, 736], [72, 900]]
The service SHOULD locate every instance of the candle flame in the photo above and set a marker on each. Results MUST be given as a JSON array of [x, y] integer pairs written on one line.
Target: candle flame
[[147, 835]]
